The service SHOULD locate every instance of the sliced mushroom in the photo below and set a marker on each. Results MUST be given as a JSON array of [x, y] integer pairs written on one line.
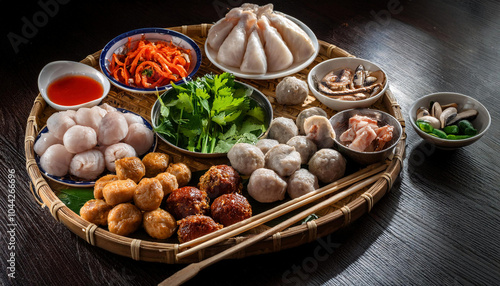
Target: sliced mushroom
[[466, 114], [359, 76], [422, 111], [444, 106], [433, 121], [447, 115], [436, 110]]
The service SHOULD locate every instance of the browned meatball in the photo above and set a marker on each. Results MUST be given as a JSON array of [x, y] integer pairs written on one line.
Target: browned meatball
[[219, 180], [155, 163], [130, 168], [195, 226], [187, 201], [168, 183], [159, 224], [118, 192], [96, 211], [103, 181], [229, 209], [181, 172], [148, 194], [124, 219]]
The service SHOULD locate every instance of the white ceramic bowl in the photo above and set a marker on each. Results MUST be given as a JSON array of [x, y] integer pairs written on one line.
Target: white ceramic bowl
[[117, 45], [481, 123], [59, 69], [336, 64]]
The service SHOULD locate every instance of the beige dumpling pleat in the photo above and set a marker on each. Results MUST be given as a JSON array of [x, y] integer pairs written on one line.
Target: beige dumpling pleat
[[254, 60], [278, 55]]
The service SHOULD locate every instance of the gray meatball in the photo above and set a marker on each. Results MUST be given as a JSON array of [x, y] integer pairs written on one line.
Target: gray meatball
[[283, 159], [266, 144], [246, 158], [291, 90], [266, 186], [304, 146], [301, 183], [328, 165], [282, 129], [306, 113]]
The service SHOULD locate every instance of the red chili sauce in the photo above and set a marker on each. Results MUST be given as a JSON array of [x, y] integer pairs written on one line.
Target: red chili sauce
[[74, 89]]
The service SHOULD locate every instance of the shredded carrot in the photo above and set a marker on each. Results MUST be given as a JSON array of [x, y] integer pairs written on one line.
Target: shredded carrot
[[150, 64]]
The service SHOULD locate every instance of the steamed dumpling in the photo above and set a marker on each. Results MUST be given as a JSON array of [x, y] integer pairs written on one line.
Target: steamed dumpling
[[87, 165], [132, 118], [80, 138], [59, 122], [56, 160], [254, 60], [278, 55], [233, 48], [117, 151], [140, 137], [112, 129], [90, 117], [45, 140]]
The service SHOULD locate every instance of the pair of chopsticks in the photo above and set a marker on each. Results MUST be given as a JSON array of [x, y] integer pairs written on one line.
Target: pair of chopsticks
[[360, 179]]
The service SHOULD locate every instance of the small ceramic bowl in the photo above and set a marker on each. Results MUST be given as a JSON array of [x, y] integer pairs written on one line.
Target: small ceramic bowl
[[340, 123], [59, 69], [118, 46], [481, 122], [337, 64]]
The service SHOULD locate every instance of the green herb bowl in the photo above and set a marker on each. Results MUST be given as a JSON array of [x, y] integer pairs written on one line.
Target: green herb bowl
[[255, 94]]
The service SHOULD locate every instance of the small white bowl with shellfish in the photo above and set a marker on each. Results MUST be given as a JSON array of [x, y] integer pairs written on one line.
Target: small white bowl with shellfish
[[345, 83]]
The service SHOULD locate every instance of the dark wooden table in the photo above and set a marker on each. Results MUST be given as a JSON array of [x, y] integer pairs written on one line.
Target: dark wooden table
[[438, 226]]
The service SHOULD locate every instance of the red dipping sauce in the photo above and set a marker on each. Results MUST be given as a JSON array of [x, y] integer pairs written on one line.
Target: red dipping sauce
[[74, 90]]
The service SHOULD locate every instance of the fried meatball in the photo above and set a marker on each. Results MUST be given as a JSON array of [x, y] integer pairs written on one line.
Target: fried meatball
[[283, 159], [124, 219], [266, 186], [291, 90], [159, 224], [103, 181], [229, 209], [304, 146], [168, 183], [120, 191], [282, 129], [155, 163], [195, 226], [181, 172], [246, 158], [187, 201], [148, 195], [306, 113], [130, 168], [219, 180], [96, 211], [301, 183], [328, 165], [266, 144]]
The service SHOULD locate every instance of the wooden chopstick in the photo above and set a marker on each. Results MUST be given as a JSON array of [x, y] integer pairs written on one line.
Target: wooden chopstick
[[191, 270], [240, 227]]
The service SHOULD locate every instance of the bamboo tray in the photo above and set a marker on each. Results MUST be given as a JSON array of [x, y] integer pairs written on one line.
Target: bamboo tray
[[330, 219]]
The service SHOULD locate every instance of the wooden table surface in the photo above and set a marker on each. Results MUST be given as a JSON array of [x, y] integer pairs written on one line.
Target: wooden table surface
[[438, 226]]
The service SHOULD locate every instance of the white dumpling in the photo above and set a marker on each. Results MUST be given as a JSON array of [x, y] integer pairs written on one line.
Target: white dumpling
[[300, 44], [115, 152], [246, 158], [328, 165], [140, 137], [301, 183], [254, 60], [278, 55], [283, 159], [45, 140], [320, 131], [282, 129], [102, 112], [59, 122], [80, 138], [107, 107], [132, 118], [90, 117], [87, 165], [266, 186], [71, 114], [218, 33], [232, 50], [112, 129], [56, 160]]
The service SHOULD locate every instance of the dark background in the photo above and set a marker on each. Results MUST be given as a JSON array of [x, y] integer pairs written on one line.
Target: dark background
[[438, 226]]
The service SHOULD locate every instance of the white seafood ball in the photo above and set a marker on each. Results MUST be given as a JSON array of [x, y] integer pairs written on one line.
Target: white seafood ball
[[328, 165], [266, 186], [291, 90], [133, 118], [107, 107], [45, 140], [282, 129], [246, 158], [304, 146], [71, 114], [301, 182], [283, 159], [115, 152], [102, 112], [266, 144], [88, 117], [140, 137], [112, 129], [87, 165], [306, 113], [80, 138], [56, 160], [59, 122]]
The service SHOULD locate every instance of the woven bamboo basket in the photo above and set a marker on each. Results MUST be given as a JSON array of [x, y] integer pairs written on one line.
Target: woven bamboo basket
[[330, 219]]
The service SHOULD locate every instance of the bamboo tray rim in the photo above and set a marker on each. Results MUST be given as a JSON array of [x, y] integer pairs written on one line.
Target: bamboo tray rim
[[166, 252]]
